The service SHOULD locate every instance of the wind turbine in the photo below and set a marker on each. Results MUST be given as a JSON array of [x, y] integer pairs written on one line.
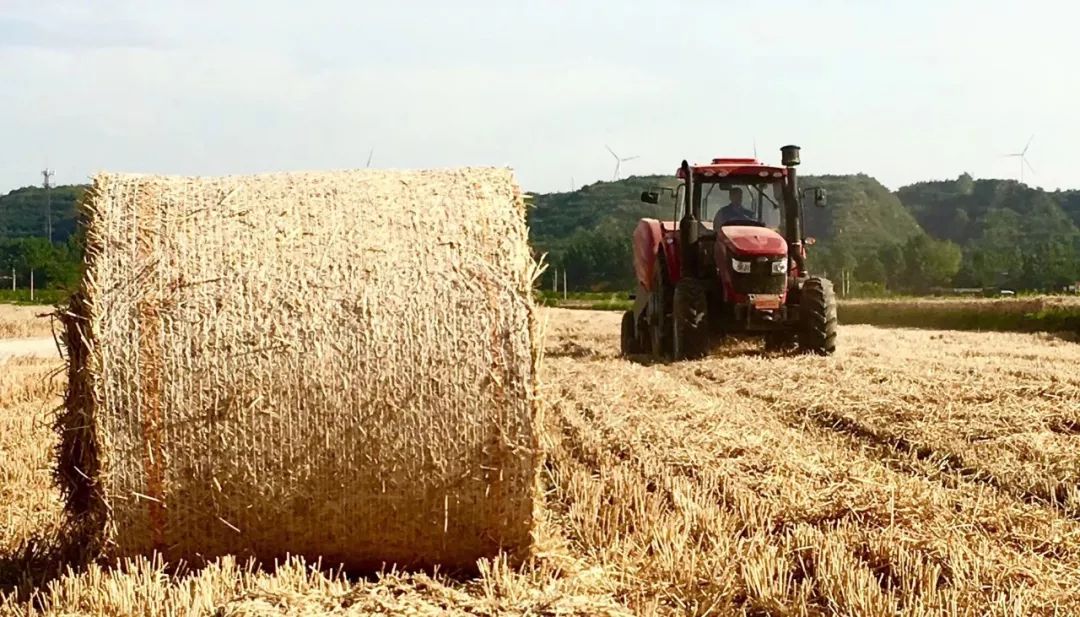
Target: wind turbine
[[619, 160], [1022, 155]]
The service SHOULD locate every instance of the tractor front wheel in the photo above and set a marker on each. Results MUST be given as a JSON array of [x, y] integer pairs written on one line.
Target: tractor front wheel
[[689, 309], [817, 326], [629, 335]]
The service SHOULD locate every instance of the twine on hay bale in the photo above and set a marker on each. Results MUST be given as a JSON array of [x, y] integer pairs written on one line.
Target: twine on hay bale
[[337, 365]]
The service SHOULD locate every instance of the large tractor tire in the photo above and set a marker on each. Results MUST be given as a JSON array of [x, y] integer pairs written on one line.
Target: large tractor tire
[[629, 337], [691, 327], [817, 327]]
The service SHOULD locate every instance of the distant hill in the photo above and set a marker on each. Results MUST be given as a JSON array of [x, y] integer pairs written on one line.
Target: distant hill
[[860, 210], [957, 209], [1012, 234], [601, 205], [23, 214], [587, 231], [861, 213], [962, 232]]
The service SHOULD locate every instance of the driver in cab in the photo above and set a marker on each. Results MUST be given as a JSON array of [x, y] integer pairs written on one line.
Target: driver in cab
[[734, 211]]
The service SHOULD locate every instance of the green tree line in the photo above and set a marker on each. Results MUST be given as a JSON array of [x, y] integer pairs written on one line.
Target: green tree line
[[955, 233], [24, 243], [53, 265], [968, 233]]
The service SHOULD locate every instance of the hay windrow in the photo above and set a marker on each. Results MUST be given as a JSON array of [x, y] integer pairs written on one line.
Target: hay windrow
[[1025, 314], [338, 365]]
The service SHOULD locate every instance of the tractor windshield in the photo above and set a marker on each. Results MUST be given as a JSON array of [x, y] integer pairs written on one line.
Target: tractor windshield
[[761, 200]]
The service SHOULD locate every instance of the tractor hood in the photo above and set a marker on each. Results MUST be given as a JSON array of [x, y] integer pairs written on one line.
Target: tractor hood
[[751, 240]]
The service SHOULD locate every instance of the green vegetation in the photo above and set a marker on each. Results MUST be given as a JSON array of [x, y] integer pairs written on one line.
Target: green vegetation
[[862, 215], [23, 213], [588, 231], [25, 249], [924, 237], [53, 265], [41, 296], [1012, 235], [595, 301]]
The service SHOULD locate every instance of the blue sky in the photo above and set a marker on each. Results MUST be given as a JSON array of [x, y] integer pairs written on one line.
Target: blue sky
[[901, 91]]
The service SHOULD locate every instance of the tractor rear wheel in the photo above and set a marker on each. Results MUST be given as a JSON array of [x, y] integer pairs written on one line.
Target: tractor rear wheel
[[629, 335], [689, 310], [817, 326]]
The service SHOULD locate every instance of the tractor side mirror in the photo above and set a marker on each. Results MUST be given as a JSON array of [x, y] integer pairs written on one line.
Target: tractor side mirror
[[820, 197], [650, 197]]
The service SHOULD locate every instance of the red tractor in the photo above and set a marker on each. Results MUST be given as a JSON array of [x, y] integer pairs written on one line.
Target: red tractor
[[732, 261]]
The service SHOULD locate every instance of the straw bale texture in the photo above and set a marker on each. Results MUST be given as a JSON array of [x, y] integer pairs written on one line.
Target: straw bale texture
[[322, 364]]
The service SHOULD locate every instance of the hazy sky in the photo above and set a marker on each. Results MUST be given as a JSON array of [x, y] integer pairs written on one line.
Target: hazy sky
[[902, 91]]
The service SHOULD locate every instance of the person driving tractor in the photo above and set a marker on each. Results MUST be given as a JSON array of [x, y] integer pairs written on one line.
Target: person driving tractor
[[734, 211]]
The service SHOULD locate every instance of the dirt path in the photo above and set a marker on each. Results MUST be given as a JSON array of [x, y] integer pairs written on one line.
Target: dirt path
[[37, 347]]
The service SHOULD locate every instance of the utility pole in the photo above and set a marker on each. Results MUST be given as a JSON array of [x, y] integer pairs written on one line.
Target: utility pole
[[46, 175]]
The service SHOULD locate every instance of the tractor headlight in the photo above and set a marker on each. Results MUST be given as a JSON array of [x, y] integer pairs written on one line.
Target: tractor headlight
[[779, 266], [742, 267]]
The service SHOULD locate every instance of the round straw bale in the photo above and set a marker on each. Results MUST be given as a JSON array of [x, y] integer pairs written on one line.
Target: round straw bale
[[337, 365]]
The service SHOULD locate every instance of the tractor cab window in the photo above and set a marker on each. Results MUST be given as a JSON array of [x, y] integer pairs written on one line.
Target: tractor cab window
[[758, 201]]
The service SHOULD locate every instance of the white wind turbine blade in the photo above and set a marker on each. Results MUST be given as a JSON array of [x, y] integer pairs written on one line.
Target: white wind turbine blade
[[1024, 151]]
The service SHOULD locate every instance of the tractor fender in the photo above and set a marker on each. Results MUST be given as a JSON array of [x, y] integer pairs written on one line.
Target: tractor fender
[[650, 237]]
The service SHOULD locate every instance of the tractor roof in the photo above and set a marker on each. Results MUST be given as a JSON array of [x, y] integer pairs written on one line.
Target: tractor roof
[[746, 168]]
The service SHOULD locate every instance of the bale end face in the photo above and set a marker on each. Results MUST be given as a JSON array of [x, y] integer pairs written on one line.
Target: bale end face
[[331, 365]]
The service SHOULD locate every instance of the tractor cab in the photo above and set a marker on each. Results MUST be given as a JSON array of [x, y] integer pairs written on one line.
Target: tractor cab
[[737, 204], [746, 186], [732, 260]]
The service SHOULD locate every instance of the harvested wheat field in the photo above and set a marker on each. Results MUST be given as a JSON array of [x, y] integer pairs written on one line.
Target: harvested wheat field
[[24, 321], [915, 472]]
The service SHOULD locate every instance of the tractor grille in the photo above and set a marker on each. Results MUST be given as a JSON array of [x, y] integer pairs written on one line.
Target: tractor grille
[[761, 280]]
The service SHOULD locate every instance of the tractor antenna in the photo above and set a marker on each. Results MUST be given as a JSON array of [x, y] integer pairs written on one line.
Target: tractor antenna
[[1022, 156], [370, 154], [619, 160], [755, 148]]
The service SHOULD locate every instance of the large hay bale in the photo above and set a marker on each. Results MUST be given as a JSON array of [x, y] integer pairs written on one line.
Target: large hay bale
[[321, 364]]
